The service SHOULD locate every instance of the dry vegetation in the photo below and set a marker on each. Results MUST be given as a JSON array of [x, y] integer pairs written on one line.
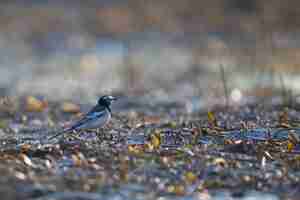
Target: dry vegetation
[[190, 124]]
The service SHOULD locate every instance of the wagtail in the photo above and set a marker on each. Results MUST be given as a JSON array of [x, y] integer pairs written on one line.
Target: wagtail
[[97, 117]]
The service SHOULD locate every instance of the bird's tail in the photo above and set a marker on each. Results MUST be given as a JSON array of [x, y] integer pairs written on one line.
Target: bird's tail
[[60, 133], [56, 135]]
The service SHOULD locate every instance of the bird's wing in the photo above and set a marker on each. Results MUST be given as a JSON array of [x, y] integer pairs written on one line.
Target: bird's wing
[[94, 114]]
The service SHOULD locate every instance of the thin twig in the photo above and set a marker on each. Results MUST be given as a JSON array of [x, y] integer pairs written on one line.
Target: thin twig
[[224, 80], [284, 92]]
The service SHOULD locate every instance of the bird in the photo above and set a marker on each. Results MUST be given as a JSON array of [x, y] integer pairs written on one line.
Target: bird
[[97, 117]]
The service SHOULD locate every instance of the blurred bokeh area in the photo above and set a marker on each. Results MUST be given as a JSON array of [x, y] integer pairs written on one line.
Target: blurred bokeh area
[[172, 49]]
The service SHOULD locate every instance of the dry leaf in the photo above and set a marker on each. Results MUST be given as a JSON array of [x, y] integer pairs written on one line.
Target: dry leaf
[[219, 161], [179, 190], [20, 175], [25, 148], [284, 117], [151, 120], [26, 160], [135, 149], [76, 160], [69, 107], [290, 146], [35, 105], [190, 177], [212, 119], [155, 140]]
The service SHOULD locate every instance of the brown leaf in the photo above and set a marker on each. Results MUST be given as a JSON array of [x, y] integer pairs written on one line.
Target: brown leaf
[[25, 148], [35, 105], [26, 160], [151, 120], [284, 117], [212, 120], [69, 107]]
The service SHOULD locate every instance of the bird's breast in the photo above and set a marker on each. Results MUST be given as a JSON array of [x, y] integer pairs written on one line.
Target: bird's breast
[[98, 122]]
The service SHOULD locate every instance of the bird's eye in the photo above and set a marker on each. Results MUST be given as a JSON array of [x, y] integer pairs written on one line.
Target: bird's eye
[[108, 98]]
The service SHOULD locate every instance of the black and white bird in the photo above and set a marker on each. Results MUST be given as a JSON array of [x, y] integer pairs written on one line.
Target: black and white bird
[[97, 117]]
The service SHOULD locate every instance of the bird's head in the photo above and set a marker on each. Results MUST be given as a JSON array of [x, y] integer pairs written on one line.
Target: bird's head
[[106, 100]]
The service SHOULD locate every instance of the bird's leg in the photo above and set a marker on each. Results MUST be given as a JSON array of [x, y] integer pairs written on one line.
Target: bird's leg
[[74, 136], [101, 134], [85, 131]]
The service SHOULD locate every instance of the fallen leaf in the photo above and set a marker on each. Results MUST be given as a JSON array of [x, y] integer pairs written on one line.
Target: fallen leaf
[[212, 119], [135, 149], [26, 160], [155, 140], [35, 105], [219, 161], [151, 120], [179, 190], [190, 177], [25, 148], [20, 175], [290, 146], [69, 107]]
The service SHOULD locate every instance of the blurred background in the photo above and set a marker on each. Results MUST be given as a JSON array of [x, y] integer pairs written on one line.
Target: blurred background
[[170, 49]]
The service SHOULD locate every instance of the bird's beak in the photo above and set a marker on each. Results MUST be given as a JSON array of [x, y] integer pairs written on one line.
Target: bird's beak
[[114, 98]]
